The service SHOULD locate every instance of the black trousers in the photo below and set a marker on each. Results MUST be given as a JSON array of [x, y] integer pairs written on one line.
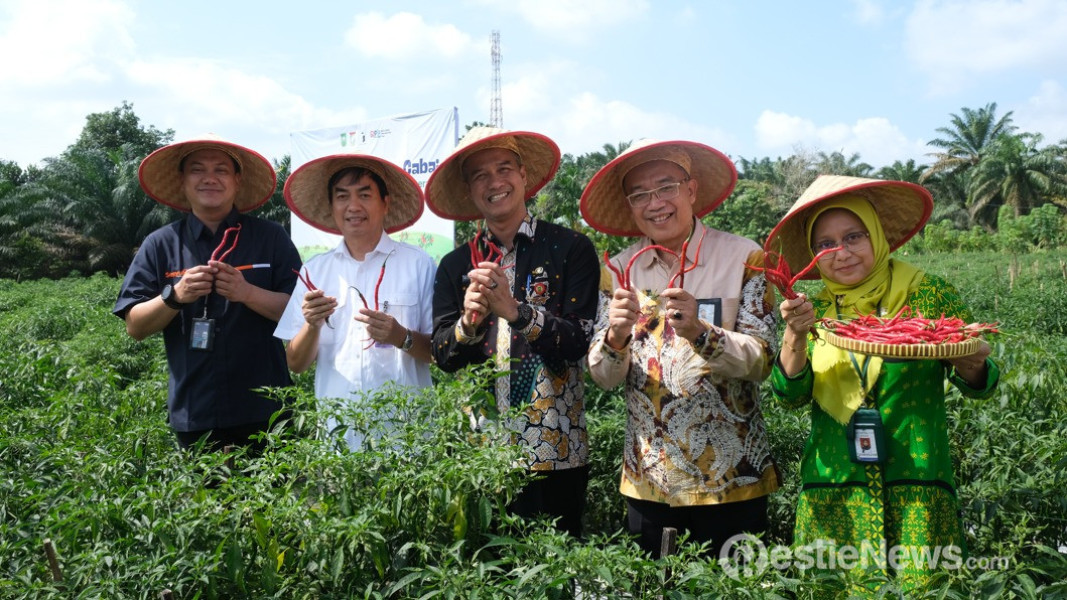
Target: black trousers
[[555, 494], [713, 522], [219, 438]]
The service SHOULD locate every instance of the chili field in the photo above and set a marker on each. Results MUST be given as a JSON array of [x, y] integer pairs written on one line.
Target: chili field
[[90, 470]]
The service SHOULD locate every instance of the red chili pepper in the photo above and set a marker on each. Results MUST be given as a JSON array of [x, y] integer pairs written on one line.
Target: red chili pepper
[[623, 281], [624, 278], [306, 280], [781, 277], [633, 259], [904, 328], [682, 269], [362, 298], [236, 231], [381, 275]]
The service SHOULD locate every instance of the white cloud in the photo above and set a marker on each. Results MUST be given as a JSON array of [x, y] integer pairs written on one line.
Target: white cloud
[[775, 130], [246, 108], [953, 40], [405, 36], [875, 139], [553, 98], [585, 122], [49, 41], [1045, 113]]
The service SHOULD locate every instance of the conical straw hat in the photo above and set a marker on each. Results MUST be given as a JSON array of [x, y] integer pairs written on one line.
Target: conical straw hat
[[603, 204], [161, 177], [446, 191], [307, 195], [902, 207]]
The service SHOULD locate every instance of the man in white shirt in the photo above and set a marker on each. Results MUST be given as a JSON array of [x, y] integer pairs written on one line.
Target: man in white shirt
[[365, 315]]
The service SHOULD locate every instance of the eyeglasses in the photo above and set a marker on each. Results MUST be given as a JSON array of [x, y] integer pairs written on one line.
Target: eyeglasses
[[663, 192], [851, 242]]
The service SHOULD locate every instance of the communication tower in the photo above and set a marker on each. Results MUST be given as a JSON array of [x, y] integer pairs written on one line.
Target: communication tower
[[496, 104]]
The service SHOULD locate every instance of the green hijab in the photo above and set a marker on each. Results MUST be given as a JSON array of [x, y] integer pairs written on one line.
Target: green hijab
[[885, 290]]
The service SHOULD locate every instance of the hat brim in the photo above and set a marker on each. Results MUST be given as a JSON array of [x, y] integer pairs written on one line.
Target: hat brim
[[604, 206], [161, 177], [307, 195], [447, 194], [902, 207]]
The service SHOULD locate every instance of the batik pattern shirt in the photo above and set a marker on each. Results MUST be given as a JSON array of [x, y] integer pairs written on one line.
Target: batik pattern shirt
[[695, 434], [555, 271]]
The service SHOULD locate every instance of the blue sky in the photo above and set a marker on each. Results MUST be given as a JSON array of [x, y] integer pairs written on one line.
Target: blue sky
[[753, 79]]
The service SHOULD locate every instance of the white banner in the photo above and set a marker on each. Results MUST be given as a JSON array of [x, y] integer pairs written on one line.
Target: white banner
[[416, 142]]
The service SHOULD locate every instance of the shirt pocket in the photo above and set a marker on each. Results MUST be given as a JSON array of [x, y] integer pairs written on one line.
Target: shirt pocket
[[404, 307]]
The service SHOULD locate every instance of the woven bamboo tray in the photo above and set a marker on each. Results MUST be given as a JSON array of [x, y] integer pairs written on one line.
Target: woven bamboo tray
[[912, 351]]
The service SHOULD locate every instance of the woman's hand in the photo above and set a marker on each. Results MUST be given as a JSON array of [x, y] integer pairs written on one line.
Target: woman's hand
[[972, 368], [798, 315]]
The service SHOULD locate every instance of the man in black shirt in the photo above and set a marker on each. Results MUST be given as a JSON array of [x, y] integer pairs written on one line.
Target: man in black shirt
[[215, 283], [525, 291]]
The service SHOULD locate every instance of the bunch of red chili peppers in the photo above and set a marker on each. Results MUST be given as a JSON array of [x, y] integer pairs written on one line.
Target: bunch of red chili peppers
[[493, 254], [908, 328], [779, 274], [781, 277], [679, 277]]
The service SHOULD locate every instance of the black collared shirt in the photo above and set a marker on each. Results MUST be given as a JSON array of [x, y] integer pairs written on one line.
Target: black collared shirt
[[214, 389], [555, 271]]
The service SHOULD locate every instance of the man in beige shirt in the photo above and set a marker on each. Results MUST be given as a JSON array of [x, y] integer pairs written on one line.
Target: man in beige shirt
[[692, 338]]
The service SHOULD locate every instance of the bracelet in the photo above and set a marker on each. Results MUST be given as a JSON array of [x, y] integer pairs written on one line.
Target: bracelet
[[792, 347]]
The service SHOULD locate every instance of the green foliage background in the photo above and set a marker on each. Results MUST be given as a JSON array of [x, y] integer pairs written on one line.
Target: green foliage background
[[87, 461]]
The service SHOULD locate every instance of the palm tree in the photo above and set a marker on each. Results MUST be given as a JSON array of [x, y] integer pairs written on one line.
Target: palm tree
[[761, 170], [967, 140], [902, 171], [276, 209], [96, 209], [785, 179], [837, 163], [1015, 173], [558, 201], [950, 199]]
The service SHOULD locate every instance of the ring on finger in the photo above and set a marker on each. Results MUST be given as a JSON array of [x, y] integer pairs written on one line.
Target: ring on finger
[[492, 284]]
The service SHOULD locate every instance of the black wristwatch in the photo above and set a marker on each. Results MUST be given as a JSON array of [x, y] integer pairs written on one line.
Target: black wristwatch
[[169, 298], [524, 318], [700, 340]]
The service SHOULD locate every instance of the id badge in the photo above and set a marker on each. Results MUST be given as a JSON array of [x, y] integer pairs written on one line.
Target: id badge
[[866, 439], [203, 336]]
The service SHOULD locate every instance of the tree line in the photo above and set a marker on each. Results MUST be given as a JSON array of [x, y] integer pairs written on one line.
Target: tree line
[[84, 212]]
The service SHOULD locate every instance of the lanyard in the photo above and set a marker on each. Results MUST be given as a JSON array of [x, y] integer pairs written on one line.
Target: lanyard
[[861, 371]]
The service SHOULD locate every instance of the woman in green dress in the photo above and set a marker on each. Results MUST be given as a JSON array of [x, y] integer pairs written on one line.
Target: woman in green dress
[[877, 469]]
